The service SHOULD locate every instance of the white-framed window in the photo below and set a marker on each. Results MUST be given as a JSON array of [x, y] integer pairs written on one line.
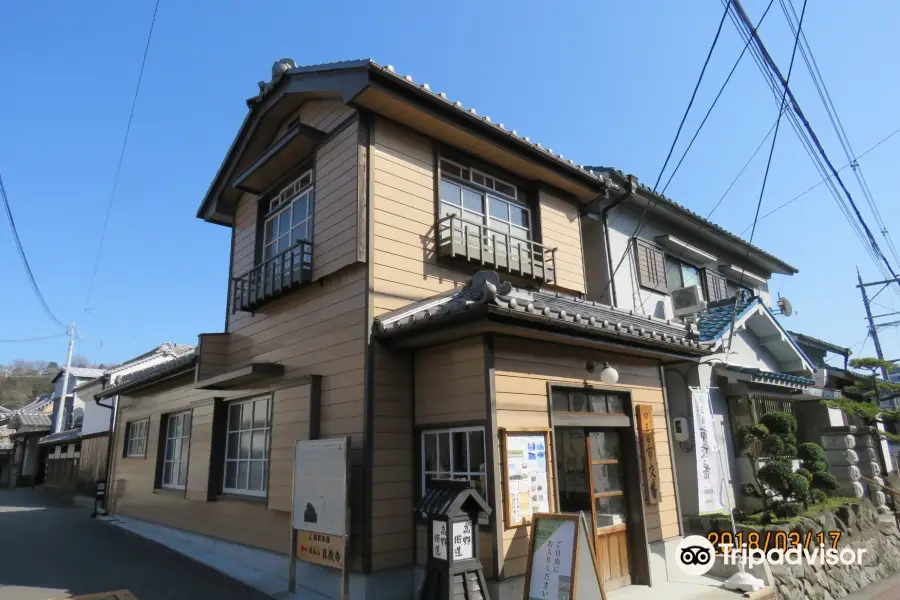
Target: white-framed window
[[136, 438], [247, 447], [290, 216], [483, 199], [175, 452], [454, 453]]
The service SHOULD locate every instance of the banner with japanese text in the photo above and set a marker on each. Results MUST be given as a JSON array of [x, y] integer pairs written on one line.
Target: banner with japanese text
[[710, 483]]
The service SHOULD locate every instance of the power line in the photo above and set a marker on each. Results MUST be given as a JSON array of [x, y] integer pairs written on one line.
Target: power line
[[112, 194], [762, 189], [821, 181], [648, 208], [715, 100], [34, 339], [21, 249]]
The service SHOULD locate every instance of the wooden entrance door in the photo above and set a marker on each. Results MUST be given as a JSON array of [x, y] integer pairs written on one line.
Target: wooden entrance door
[[609, 504]]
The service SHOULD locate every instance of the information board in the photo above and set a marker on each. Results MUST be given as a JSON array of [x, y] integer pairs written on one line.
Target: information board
[[320, 486], [439, 539], [321, 549], [527, 489], [561, 562]]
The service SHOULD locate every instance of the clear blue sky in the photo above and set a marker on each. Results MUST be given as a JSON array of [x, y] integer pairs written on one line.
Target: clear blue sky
[[604, 83]]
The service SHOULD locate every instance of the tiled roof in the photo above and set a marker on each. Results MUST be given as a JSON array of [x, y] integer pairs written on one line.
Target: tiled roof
[[132, 380], [716, 319], [84, 372], [60, 436], [34, 419], [166, 348], [486, 294], [810, 340], [760, 376]]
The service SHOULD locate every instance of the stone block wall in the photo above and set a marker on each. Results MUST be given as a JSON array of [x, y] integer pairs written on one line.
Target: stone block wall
[[851, 454]]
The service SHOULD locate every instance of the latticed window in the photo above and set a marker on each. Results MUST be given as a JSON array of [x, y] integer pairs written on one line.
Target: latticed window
[[177, 445], [136, 438], [454, 453], [247, 447]]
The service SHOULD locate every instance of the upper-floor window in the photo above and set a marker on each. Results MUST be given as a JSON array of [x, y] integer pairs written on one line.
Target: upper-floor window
[[289, 219], [663, 272], [680, 274], [483, 199]]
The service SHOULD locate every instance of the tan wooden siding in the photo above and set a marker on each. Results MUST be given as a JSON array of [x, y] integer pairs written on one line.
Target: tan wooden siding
[[404, 263], [290, 422], [393, 459], [213, 352], [246, 522], [324, 115], [522, 373], [450, 383], [561, 229], [92, 462], [335, 222]]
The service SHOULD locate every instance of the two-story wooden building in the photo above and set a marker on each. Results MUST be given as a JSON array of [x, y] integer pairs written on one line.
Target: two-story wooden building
[[413, 275]]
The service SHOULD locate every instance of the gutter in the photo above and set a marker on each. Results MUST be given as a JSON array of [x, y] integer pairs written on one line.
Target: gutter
[[604, 218], [110, 437]]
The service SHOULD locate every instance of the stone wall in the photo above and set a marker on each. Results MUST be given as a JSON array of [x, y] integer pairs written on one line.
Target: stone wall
[[851, 454], [861, 527]]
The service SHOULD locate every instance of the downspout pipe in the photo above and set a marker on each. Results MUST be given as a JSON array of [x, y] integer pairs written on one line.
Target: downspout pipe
[[110, 437], [604, 218]]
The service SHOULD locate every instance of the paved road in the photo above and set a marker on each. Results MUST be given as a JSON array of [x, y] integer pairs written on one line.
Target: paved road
[[53, 550]]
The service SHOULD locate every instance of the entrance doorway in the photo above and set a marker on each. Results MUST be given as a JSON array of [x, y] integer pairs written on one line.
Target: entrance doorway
[[591, 467]]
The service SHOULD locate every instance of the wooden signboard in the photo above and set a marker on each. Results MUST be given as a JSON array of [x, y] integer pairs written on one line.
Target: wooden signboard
[[648, 452], [526, 476], [321, 549], [561, 562]]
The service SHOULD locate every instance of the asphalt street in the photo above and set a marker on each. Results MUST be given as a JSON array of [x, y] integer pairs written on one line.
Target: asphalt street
[[49, 549]]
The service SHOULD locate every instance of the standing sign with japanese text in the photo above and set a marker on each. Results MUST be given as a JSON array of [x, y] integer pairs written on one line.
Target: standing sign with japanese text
[[648, 452], [561, 563], [527, 488], [321, 549], [439, 539], [462, 540], [320, 486], [710, 489]]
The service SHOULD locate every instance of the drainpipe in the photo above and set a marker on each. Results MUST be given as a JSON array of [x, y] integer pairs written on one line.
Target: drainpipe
[[109, 438], [604, 217]]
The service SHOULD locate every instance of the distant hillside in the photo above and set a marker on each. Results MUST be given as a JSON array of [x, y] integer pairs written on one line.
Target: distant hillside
[[18, 390]]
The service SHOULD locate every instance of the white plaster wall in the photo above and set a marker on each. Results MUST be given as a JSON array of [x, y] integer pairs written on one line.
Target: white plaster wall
[[746, 351], [96, 417]]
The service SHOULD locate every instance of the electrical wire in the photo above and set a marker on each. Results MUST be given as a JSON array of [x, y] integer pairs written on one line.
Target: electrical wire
[[715, 100], [762, 189], [31, 280], [648, 208], [115, 184], [34, 339]]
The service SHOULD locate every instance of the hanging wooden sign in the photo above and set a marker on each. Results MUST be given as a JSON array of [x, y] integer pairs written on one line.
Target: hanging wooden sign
[[561, 561], [648, 452]]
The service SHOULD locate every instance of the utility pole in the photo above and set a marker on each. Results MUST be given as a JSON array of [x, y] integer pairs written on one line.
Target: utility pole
[[61, 412], [873, 327]]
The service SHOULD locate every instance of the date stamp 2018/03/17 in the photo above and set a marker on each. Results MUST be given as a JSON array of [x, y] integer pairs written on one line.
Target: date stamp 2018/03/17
[[772, 540]]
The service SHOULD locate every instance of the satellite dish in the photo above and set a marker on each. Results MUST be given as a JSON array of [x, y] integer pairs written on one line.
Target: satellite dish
[[785, 305]]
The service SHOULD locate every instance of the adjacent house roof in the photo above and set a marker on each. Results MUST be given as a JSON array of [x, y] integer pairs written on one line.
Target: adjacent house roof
[[487, 297], [820, 344], [174, 365], [166, 348], [770, 377], [33, 419], [80, 372]]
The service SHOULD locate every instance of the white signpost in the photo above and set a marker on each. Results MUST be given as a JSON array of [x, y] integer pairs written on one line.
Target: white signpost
[[321, 498]]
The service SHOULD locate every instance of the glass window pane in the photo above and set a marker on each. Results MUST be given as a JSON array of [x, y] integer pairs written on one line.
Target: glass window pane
[[256, 475], [451, 193], [182, 474], [242, 473], [300, 233], [476, 451], [246, 415], [610, 510], [234, 417], [615, 403], [499, 209], [460, 453], [283, 244], [258, 449], [450, 168], [473, 201], [284, 222], [234, 443], [504, 188], [270, 230], [167, 473], [560, 400], [579, 401], [598, 402], [430, 459], [522, 234], [607, 478], [231, 474], [690, 275], [244, 451], [480, 486], [604, 445], [186, 418], [269, 251], [300, 207], [673, 273], [447, 209], [260, 413], [444, 452], [170, 449]]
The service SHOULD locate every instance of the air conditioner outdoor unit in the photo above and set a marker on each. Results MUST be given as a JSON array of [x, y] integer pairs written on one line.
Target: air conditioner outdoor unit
[[688, 300]]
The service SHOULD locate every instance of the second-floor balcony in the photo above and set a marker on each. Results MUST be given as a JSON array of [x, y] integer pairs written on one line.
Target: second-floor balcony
[[272, 278], [477, 243]]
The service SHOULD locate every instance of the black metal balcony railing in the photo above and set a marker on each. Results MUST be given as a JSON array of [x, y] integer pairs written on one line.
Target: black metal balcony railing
[[457, 237], [273, 278]]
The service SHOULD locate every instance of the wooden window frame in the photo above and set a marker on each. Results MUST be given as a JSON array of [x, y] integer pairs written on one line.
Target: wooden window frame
[[710, 279], [264, 208], [423, 431], [283, 201], [640, 245], [186, 417], [130, 438], [224, 459]]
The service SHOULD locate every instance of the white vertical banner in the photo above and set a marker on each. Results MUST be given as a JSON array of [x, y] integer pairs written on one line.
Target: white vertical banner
[[710, 491]]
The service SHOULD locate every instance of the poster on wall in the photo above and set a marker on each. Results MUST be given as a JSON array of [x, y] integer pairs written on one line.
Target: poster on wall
[[710, 488], [320, 486], [527, 484]]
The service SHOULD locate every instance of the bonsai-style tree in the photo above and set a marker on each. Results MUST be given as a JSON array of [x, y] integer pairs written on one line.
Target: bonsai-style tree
[[865, 396]]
